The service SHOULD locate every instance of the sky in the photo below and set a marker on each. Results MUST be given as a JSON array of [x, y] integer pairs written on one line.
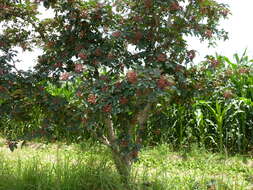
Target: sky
[[239, 26]]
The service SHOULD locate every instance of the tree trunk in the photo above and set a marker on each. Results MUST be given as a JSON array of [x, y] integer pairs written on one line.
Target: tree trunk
[[123, 165]]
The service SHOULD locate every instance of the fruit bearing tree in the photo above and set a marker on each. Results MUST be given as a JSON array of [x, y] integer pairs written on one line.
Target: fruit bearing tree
[[124, 57]]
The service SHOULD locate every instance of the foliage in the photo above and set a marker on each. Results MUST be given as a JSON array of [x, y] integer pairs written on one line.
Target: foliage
[[221, 116], [124, 57]]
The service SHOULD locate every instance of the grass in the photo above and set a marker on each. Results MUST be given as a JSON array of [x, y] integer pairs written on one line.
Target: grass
[[84, 166]]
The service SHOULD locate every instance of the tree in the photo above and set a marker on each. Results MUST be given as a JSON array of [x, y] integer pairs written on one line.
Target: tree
[[124, 56]]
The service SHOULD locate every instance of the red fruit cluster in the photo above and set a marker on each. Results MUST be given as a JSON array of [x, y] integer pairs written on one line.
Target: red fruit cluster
[[214, 63], [110, 56], [162, 57], [244, 70], [123, 100], [79, 47], [124, 143], [92, 99], [118, 84], [95, 62], [82, 56], [175, 6], [225, 12], [104, 89], [229, 72], [57, 65], [65, 76], [208, 33], [163, 83], [116, 34], [134, 154], [98, 52], [107, 108], [103, 77], [228, 94], [79, 94], [191, 54], [138, 36], [137, 18], [132, 77], [2, 89], [1, 44], [84, 14], [148, 3], [157, 131], [78, 68]]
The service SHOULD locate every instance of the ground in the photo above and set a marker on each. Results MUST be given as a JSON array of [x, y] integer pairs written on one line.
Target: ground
[[88, 166]]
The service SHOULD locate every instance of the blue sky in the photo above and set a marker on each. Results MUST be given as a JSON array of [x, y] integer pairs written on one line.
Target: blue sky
[[239, 26]]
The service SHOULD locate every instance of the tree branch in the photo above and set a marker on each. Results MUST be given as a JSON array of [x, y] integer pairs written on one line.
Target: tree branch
[[111, 133], [141, 119]]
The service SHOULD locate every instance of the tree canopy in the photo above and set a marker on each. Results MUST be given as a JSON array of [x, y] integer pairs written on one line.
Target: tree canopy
[[122, 57]]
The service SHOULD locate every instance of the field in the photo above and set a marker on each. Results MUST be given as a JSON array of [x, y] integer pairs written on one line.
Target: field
[[87, 166]]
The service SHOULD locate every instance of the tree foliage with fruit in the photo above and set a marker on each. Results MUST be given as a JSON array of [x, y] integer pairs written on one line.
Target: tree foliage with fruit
[[124, 57]]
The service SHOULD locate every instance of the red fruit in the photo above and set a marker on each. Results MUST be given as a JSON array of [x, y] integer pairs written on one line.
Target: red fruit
[[116, 34], [95, 62], [110, 56], [175, 6], [191, 54], [204, 10], [50, 44], [107, 108], [2, 89], [137, 18], [163, 83], [103, 77], [157, 131], [209, 33], [148, 3], [84, 120], [123, 100], [229, 72], [79, 94], [132, 77], [118, 84], [138, 36], [244, 70], [124, 143], [65, 76], [84, 14], [1, 72], [1, 44], [133, 121], [78, 68], [92, 99], [134, 154], [198, 86], [214, 63], [79, 47], [82, 56], [162, 57], [225, 12], [57, 65], [228, 94], [82, 34], [98, 52], [104, 89]]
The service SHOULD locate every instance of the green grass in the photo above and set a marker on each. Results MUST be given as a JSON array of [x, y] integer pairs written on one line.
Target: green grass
[[85, 166]]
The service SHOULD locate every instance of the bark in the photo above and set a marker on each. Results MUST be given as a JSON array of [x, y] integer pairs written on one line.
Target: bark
[[142, 119], [123, 165]]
